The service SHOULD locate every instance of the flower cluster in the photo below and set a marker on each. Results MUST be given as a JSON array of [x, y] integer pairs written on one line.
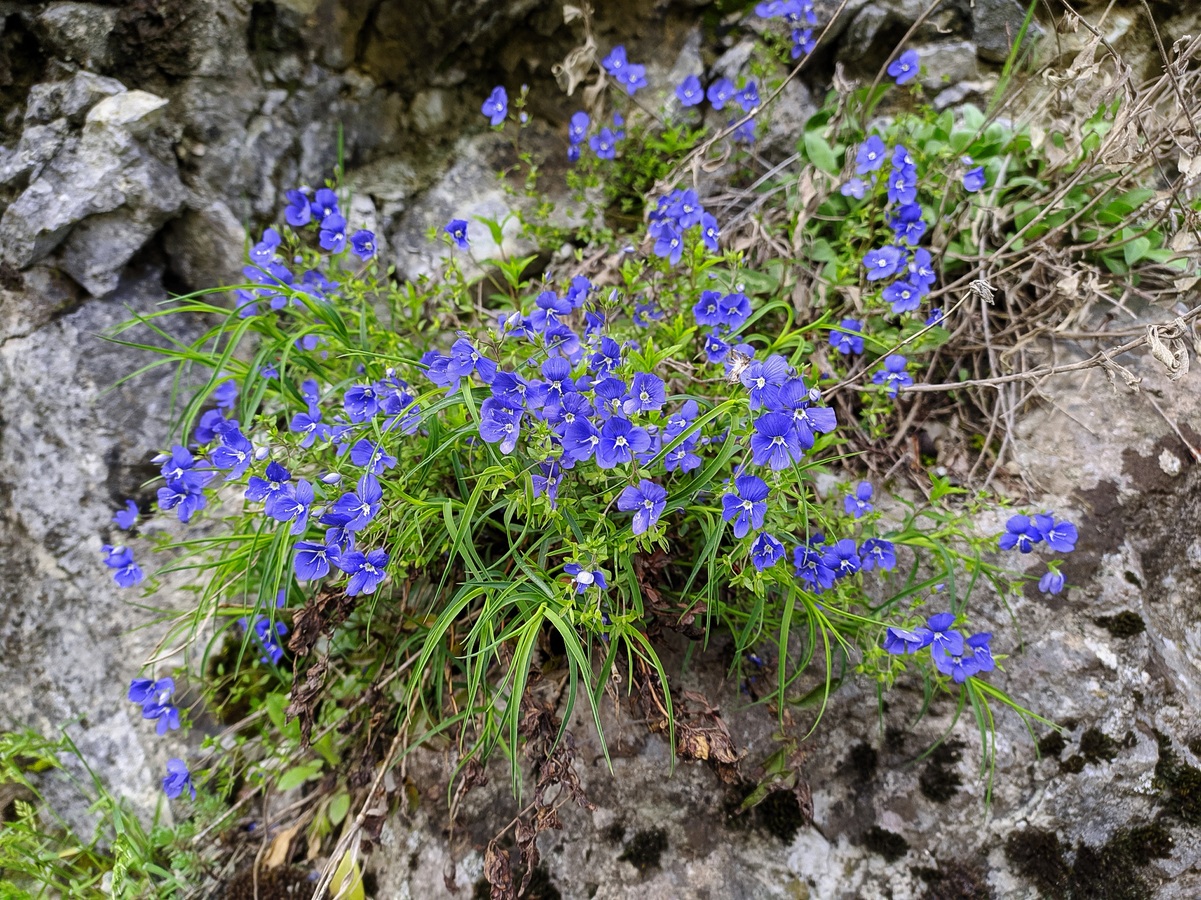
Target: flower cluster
[[1024, 533], [631, 76], [155, 700], [953, 655], [799, 16], [126, 572], [674, 218]]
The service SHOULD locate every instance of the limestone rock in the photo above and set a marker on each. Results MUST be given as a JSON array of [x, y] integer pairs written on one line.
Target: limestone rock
[[995, 27]]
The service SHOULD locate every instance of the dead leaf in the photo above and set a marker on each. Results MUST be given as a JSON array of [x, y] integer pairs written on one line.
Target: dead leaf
[[281, 846], [303, 704], [499, 873]]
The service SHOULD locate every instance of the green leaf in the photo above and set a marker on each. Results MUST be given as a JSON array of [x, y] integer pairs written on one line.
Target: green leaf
[[339, 806], [820, 153], [298, 775], [1136, 250]]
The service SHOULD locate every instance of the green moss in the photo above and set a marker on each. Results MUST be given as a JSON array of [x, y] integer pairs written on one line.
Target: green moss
[[955, 881], [939, 781], [780, 815], [1073, 765], [1096, 746], [1179, 783], [1039, 857], [862, 761], [885, 843], [1112, 871], [1052, 745], [645, 848], [1124, 625]]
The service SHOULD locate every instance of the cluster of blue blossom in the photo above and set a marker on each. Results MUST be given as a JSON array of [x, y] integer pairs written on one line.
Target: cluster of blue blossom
[[1024, 533], [126, 572], [155, 699], [603, 143], [690, 92], [267, 637], [631, 76], [799, 16], [952, 653], [673, 217], [268, 269]]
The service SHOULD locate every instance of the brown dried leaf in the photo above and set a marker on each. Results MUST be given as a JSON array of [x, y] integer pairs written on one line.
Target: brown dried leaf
[[324, 611], [303, 704], [527, 844], [499, 873], [281, 846]]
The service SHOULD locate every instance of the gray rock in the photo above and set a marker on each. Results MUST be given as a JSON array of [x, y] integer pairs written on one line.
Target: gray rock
[[206, 246], [101, 198], [70, 450], [995, 26], [947, 64], [69, 99], [79, 32]]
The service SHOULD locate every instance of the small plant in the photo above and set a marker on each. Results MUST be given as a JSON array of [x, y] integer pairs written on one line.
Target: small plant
[[422, 498]]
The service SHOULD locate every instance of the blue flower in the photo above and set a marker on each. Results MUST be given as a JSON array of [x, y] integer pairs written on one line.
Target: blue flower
[[610, 394], [802, 42], [669, 244], [260, 489], [721, 92], [267, 637], [878, 552], [902, 185], [647, 500], [810, 566], [938, 634], [1052, 582], [687, 209], [157, 705], [763, 380], [585, 578], [707, 311], [313, 560], [1060, 536], [333, 234], [689, 91], [870, 156], [141, 690], [128, 517], [500, 424], [766, 551], [310, 425], [775, 441], [632, 76], [360, 506], [683, 457], [178, 779], [844, 339], [577, 128], [960, 666], [855, 187], [935, 317], [974, 180], [496, 107], [465, 359], [604, 144], [748, 97], [616, 60], [291, 504], [1021, 533], [716, 350], [580, 440], [921, 269], [857, 503], [225, 395], [457, 229], [842, 558], [366, 570], [362, 244], [735, 310], [679, 421], [647, 392], [234, 453], [907, 224], [747, 507], [899, 642], [325, 203], [903, 296], [981, 651], [905, 67], [373, 456], [710, 232], [619, 441], [297, 213], [894, 375], [884, 262], [807, 419]]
